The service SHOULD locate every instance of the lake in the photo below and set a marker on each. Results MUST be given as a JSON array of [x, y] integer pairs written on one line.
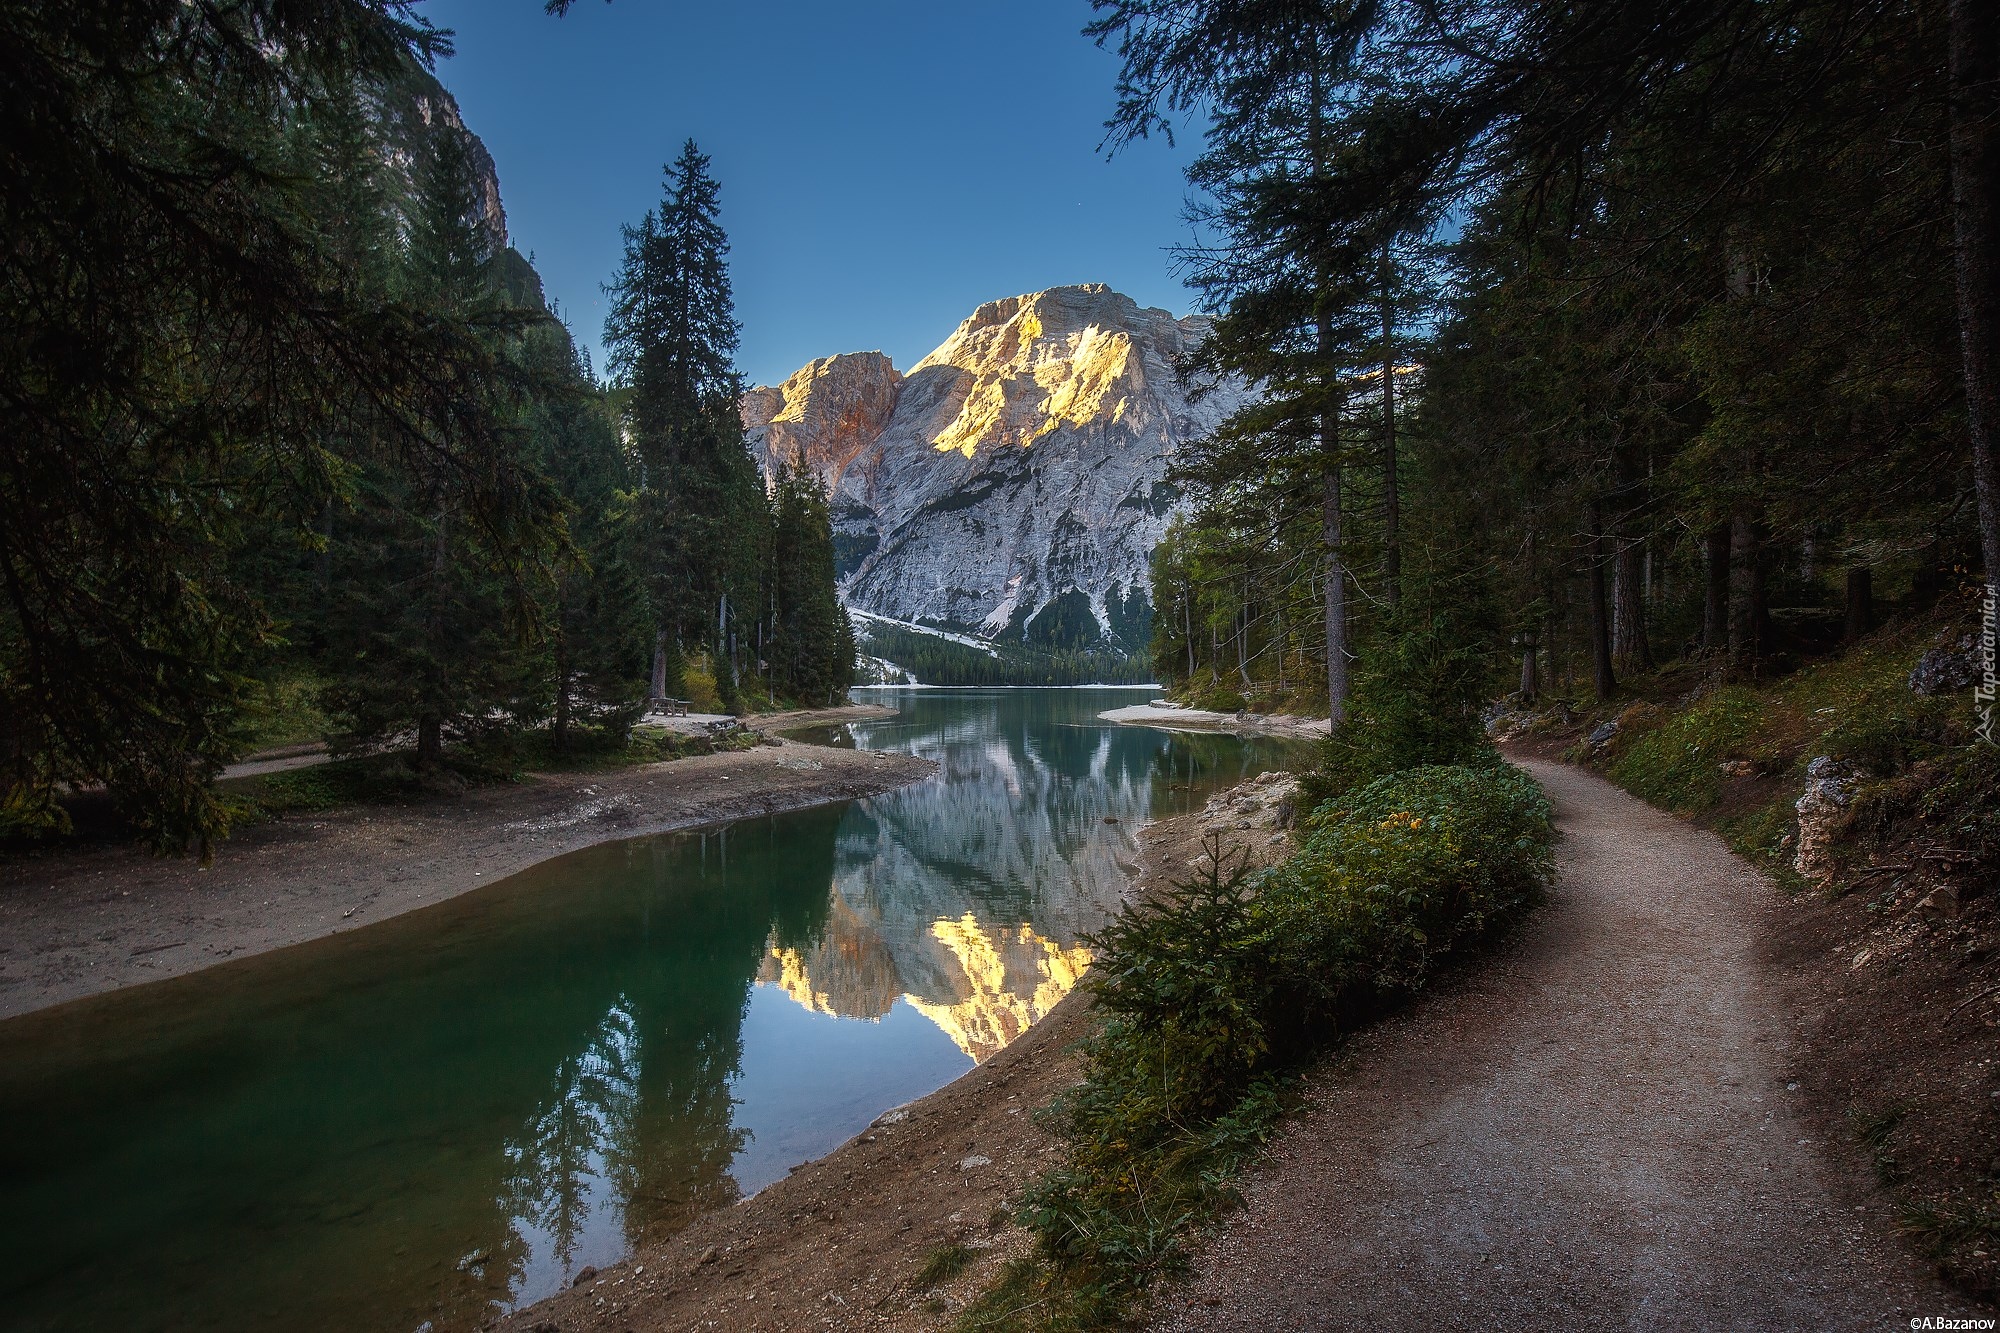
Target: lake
[[422, 1123]]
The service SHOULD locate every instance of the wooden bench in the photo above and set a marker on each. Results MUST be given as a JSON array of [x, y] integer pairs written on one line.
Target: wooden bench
[[671, 707]]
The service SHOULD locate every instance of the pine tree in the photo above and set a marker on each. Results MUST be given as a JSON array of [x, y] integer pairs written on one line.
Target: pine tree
[[672, 333], [811, 646], [597, 630], [190, 372], [430, 638]]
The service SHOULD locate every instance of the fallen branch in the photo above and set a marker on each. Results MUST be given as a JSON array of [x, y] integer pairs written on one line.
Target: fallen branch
[[1990, 990]]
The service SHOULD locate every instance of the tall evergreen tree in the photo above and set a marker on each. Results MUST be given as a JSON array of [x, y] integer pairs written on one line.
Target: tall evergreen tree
[[811, 646], [672, 334], [430, 627], [183, 365], [598, 631]]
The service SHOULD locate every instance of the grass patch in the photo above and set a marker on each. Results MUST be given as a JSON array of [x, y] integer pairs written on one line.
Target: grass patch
[[494, 760], [337, 784], [1677, 763], [1214, 995], [1876, 1131], [942, 1265]]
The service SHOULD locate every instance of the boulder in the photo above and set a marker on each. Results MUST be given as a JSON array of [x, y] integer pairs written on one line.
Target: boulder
[[1946, 670], [1821, 810]]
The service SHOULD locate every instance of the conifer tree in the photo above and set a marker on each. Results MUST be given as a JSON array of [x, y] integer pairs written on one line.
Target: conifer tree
[[597, 630], [189, 373], [672, 333], [428, 633], [811, 647]]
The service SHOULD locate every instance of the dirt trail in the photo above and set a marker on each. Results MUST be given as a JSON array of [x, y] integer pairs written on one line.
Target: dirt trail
[[1592, 1130]]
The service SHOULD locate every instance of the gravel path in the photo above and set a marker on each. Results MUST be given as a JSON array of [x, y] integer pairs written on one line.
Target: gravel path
[[1591, 1130]]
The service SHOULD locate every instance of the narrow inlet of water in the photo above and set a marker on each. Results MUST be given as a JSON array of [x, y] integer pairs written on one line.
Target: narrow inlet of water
[[420, 1124]]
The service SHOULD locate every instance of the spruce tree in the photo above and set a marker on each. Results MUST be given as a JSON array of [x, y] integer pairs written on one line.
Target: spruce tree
[[190, 372], [672, 333], [428, 632], [811, 646]]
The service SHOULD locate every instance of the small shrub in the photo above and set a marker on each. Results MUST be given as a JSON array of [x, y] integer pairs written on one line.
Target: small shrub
[[1213, 993], [1416, 705], [942, 1265], [698, 682], [1221, 700]]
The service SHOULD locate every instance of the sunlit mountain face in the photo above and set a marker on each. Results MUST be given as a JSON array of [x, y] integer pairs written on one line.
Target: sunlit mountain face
[[433, 1119], [1014, 484]]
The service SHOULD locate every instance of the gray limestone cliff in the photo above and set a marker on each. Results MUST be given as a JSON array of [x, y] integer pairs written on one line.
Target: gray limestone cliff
[[1018, 470]]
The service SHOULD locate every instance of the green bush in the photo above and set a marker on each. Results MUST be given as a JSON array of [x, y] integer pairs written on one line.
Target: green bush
[[1416, 705], [1218, 988]]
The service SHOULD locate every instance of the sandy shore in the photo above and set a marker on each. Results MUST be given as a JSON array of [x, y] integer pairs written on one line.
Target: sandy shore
[[838, 1243], [1173, 716], [78, 922]]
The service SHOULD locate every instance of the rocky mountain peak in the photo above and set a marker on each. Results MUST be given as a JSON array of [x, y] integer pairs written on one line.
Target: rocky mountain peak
[[824, 414], [1019, 467]]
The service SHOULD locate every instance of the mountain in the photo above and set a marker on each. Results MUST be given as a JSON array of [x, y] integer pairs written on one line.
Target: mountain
[[412, 112], [1012, 486]]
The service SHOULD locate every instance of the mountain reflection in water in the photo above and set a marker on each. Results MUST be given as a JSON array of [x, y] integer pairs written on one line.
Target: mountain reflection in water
[[447, 1114]]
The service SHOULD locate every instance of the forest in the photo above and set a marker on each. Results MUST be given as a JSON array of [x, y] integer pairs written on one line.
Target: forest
[[291, 433], [1597, 336]]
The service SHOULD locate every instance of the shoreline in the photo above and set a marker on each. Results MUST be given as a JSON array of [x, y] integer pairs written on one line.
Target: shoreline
[[840, 1241], [76, 923], [1172, 717]]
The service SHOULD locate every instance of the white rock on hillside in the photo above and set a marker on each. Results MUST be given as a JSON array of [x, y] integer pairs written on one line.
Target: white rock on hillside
[[1023, 460]]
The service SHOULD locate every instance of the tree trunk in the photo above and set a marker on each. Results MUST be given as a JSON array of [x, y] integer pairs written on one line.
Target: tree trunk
[[1635, 648], [1334, 568], [1529, 685], [1243, 641], [1392, 543], [1187, 622], [1715, 598], [1600, 619], [430, 723], [1975, 208], [1860, 602], [660, 665], [1335, 574], [430, 741], [1746, 592], [559, 725]]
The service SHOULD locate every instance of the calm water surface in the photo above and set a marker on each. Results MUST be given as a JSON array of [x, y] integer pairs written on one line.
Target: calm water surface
[[424, 1122]]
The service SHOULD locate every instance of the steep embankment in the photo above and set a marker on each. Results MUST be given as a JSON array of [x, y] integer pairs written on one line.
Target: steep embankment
[[1598, 1128]]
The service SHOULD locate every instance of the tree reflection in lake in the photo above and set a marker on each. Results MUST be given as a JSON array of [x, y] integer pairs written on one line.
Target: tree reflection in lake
[[445, 1114]]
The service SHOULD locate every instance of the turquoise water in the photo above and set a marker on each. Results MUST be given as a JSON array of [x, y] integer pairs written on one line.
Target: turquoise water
[[427, 1121]]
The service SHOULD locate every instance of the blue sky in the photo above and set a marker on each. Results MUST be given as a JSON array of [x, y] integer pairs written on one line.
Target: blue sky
[[885, 167]]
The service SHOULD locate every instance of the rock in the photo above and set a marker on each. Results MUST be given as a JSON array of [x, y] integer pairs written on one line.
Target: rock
[[583, 1275], [1946, 670], [1821, 809], [1737, 768], [706, 1257], [825, 414], [974, 1162], [1022, 462], [891, 1117], [1603, 734]]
